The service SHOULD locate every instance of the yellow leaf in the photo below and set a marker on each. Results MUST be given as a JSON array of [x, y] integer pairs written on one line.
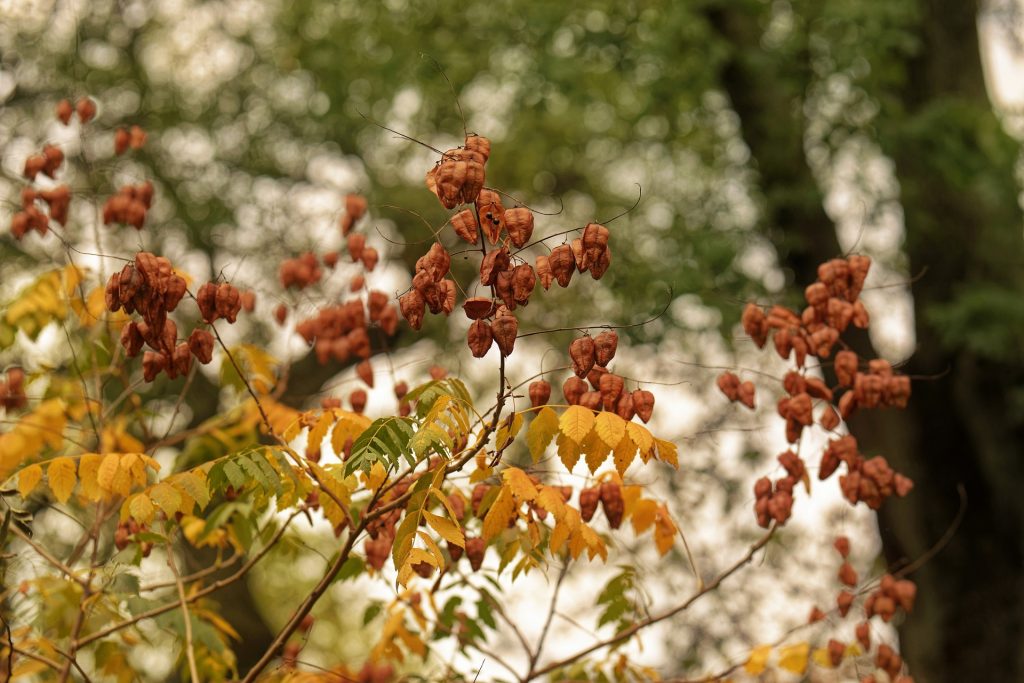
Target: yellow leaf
[[595, 546], [550, 499], [610, 427], [559, 536], [502, 510], [822, 658], [596, 450], [61, 474], [542, 429], [141, 508], [88, 469], [644, 513], [576, 422], [758, 661], [376, 477], [667, 452], [107, 471], [445, 528], [519, 483], [639, 435], [568, 451], [508, 430], [164, 495], [664, 531], [625, 452], [794, 657], [317, 433], [28, 478]]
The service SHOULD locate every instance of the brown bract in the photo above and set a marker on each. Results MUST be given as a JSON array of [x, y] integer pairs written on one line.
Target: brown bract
[[519, 225]]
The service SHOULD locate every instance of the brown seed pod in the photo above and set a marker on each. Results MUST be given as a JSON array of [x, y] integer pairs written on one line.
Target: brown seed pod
[[492, 214], [844, 601], [578, 255], [64, 111], [358, 400], [540, 393], [593, 243], [136, 137], [605, 345], [370, 258], [591, 400], [503, 288], [582, 353], [519, 225], [611, 388], [86, 109], [523, 282], [478, 307], [412, 304], [200, 343], [475, 549], [612, 503], [829, 418], [437, 372], [330, 403], [729, 384], [599, 267], [589, 498], [643, 403], [132, 340], [863, 632], [836, 650], [755, 324], [544, 274], [480, 338], [848, 575], [504, 328], [480, 145], [594, 376], [624, 408], [436, 261], [181, 359], [465, 225], [496, 261], [446, 289], [562, 264], [573, 390], [746, 394], [356, 243], [152, 365], [355, 206], [121, 140], [365, 372], [247, 299]]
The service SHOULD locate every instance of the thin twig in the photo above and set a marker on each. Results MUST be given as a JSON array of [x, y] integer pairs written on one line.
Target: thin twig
[[190, 652]]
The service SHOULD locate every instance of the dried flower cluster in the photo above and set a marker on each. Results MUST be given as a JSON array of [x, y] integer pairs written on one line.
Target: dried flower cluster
[[300, 272]]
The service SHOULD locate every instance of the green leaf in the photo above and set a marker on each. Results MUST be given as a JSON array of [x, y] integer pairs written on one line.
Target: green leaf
[[386, 440], [352, 568]]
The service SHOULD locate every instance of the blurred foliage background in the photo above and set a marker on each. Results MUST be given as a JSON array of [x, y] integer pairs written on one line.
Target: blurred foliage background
[[766, 135]]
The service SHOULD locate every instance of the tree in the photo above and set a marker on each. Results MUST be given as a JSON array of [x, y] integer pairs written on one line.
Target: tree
[[394, 489]]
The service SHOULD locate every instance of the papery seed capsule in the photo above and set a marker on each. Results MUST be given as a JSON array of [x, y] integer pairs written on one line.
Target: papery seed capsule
[[573, 389], [605, 345], [540, 393], [643, 403], [480, 338], [505, 329], [582, 353]]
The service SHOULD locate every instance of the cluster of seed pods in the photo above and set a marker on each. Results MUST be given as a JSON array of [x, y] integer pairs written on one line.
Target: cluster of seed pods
[[458, 179], [606, 390], [85, 107], [128, 138], [150, 287], [890, 596], [833, 304], [57, 201], [129, 205]]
